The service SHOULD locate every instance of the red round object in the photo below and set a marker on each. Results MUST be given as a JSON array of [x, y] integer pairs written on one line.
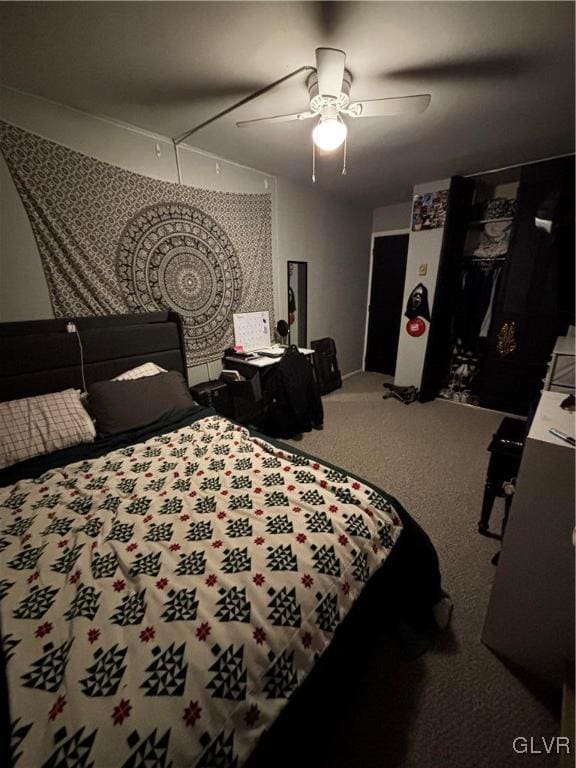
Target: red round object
[[415, 327]]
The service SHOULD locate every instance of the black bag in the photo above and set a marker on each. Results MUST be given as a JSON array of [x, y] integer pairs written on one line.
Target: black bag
[[326, 362]]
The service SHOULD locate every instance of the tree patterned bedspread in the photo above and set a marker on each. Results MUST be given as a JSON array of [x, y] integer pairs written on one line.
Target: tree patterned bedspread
[[161, 603]]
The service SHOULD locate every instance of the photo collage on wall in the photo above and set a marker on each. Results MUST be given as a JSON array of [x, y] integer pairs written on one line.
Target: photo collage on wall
[[429, 210]]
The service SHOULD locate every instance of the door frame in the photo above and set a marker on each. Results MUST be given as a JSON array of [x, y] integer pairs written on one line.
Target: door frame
[[386, 233], [305, 324]]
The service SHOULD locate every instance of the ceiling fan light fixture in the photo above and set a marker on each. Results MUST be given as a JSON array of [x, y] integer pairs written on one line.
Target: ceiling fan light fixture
[[329, 133]]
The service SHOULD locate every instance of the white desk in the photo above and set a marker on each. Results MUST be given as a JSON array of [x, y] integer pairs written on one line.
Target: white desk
[[264, 362], [255, 373], [530, 617], [549, 415], [562, 366]]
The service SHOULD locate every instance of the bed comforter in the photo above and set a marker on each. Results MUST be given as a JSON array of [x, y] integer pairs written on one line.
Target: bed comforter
[[162, 602]]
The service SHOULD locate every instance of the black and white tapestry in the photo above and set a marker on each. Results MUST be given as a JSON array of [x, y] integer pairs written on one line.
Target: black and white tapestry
[[112, 241]]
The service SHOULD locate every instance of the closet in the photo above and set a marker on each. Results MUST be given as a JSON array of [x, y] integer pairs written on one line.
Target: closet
[[481, 269], [504, 290]]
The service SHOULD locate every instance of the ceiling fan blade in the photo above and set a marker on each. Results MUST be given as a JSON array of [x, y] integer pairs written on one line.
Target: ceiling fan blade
[[469, 67], [277, 119], [400, 105], [330, 67]]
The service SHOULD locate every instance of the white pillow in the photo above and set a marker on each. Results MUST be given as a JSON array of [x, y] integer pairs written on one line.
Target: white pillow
[[140, 372], [36, 425]]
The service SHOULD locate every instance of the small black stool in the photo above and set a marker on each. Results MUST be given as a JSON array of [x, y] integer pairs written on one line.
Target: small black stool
[[505, 454]]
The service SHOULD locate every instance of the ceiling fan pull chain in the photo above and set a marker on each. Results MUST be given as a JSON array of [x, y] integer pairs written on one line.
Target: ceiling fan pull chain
[[313, 163], [345, 153]]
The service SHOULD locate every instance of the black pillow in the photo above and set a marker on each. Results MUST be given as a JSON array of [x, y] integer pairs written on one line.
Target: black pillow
[[119, 406]]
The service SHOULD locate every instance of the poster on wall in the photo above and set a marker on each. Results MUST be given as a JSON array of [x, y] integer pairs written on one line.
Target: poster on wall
[[417, 303], [429, 210]]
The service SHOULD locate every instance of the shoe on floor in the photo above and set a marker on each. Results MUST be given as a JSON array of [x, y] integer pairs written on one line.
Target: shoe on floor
[[443, 612]]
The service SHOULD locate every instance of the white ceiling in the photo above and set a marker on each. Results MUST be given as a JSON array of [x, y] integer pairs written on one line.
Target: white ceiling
[[501, 75]]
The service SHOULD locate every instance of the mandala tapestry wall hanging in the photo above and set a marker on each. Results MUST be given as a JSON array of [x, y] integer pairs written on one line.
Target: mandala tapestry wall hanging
[[112, 241]]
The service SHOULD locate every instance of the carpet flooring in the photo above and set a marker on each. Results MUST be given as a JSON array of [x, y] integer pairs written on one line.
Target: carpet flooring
[[456, 705]]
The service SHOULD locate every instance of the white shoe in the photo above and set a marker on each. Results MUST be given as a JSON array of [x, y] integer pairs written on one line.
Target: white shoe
[[443, 612]]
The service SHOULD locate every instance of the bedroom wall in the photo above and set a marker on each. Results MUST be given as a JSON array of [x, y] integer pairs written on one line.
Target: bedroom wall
[[334, 238], [333, 235], [390, 217]]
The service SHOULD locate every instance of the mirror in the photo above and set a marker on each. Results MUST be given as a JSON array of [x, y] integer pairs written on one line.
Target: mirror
[[297, 302]]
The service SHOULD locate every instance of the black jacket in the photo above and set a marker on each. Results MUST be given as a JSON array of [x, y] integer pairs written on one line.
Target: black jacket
[[291, 397]]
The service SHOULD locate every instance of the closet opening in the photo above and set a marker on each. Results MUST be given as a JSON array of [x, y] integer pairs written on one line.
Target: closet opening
[[481, 269], [502, 297]]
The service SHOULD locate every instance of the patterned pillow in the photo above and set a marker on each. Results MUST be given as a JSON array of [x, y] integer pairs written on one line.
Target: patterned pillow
[[36, 425], [140, 372]]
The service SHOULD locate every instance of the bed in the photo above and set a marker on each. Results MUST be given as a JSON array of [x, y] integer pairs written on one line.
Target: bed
[[166, 590]]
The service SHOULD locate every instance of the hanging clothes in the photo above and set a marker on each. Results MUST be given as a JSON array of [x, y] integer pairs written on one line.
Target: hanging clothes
[[479, 283], [485, 327]]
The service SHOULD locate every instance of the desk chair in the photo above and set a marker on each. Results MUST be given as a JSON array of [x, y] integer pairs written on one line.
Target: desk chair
[[505, 454]]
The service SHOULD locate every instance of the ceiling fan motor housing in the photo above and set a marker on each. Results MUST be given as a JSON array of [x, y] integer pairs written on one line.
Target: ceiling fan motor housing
[[318, 102]]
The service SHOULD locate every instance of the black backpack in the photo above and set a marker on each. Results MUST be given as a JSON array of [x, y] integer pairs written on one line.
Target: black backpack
[[326, 362]]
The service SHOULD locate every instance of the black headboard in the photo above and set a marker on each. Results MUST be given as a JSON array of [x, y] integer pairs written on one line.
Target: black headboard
[[40, 356]]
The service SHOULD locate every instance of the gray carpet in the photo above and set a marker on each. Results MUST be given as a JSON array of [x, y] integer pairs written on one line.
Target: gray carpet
[[458, 705]]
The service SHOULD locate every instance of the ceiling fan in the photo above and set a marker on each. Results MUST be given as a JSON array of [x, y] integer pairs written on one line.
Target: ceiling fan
[[329, 87], [329, 84]]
